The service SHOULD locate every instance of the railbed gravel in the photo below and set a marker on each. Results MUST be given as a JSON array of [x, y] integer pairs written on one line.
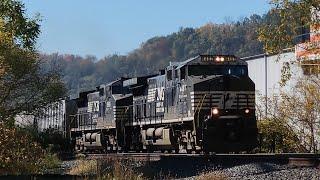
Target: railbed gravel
[[252, 171], [264, 171]]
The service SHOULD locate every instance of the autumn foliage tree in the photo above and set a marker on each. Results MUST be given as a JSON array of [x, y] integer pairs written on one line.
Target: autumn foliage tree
[[301, 107], [84, 73], [20, 154], [292, 122], [24, 86], [289, 19]]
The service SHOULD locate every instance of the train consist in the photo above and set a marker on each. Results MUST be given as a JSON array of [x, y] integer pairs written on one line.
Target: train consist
[[206, 103]]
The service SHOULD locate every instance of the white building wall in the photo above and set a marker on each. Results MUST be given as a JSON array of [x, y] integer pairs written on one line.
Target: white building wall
[[265, 71]]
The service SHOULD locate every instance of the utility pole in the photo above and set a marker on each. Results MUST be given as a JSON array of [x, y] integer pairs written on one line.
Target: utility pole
[[266, 82]]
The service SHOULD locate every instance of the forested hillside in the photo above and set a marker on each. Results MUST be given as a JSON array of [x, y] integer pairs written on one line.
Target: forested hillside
[[239, 38]]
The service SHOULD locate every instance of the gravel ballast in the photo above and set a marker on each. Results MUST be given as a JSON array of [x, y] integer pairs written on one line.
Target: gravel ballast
[[270, 171]]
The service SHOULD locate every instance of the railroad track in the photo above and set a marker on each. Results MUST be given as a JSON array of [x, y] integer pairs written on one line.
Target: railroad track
[[294, 159], [236, 166]]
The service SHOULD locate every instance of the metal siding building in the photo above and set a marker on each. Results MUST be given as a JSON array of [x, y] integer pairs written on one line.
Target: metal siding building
[[56, 116], [53, 116], [265, 71]]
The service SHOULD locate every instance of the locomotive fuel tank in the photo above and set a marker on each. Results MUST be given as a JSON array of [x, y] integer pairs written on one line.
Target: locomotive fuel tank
[[157, 137], [150, 132]]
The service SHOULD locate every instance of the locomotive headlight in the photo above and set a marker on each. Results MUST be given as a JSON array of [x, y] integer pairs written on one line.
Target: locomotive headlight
[[222, 59], [215, 111], [218, 58], [247, 111]]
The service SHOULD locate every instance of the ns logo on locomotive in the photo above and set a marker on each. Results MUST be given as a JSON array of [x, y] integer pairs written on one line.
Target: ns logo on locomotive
[[206, 103]]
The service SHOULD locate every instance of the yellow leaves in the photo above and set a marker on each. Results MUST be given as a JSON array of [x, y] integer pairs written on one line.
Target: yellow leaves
[[18, 152], [301, 107], [6, 38], [281, 30], [294, 116]]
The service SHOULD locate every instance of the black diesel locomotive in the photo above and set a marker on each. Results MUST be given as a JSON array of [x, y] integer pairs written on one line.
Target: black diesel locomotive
[[206, 103]]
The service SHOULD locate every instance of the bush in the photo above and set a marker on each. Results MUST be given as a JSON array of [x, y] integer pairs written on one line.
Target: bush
[[20, 154], [276, 136], [53, 140]]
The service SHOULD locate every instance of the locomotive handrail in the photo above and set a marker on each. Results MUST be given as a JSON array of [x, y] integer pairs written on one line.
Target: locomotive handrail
[[201, 106], [198, 107]]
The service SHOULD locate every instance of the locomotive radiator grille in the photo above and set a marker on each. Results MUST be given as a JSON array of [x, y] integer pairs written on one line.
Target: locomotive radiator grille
[[151, 94], [121, 112], [223, 99]]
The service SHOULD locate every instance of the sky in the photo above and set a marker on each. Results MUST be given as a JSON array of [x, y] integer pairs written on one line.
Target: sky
[[105, 27]]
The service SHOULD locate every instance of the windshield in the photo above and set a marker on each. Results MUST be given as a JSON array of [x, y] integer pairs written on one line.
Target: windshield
[[199, 70]]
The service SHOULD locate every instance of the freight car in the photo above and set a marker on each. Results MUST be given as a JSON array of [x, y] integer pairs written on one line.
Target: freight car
[[206, 103]]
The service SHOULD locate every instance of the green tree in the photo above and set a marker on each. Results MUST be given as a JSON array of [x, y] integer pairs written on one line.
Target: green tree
[[24, 86]]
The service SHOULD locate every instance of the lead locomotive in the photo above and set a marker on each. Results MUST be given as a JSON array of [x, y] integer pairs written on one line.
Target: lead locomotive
[[206, 103]]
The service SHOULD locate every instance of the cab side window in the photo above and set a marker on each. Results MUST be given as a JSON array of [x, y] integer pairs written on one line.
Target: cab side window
[[169, 75], [182, 73]]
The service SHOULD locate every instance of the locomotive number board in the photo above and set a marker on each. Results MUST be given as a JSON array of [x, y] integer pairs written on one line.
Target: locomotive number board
[[218, 58]]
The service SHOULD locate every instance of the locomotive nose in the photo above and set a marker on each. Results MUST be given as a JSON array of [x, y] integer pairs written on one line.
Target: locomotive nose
[[227, 102], [225, 83]]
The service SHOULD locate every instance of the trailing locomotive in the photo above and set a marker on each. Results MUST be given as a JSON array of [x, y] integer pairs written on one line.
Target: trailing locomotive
[[206, 103]]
